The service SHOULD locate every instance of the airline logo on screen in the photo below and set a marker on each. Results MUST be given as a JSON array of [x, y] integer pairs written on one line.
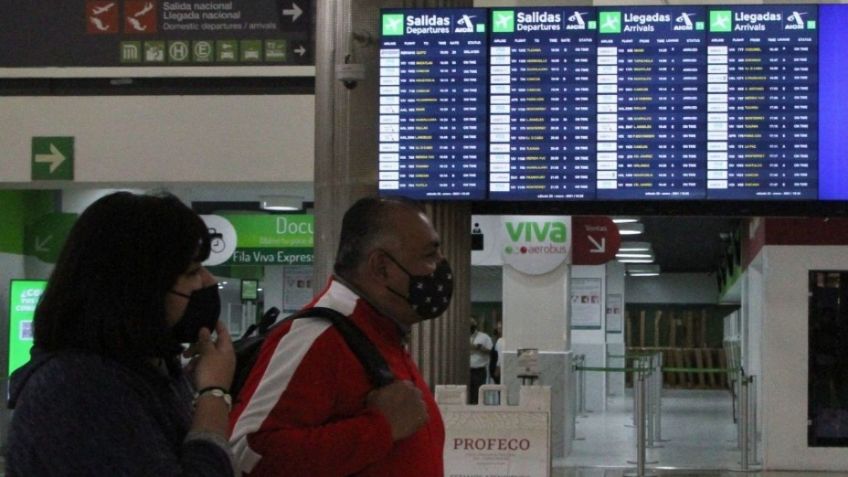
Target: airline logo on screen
[[398, 24], [687, 22]]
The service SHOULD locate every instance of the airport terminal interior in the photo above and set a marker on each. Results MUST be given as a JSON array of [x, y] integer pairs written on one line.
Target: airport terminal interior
[[652, 220]]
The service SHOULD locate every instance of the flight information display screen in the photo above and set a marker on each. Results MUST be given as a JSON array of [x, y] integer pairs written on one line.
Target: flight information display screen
[[641, 103], [433, 103], [542, 104], [651, 102], [763, 81]]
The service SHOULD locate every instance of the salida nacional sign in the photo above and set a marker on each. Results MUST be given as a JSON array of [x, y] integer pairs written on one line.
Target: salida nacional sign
[[535, 244]]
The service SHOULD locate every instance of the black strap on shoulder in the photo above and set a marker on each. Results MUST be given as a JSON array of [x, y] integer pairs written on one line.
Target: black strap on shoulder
[[375, 365]]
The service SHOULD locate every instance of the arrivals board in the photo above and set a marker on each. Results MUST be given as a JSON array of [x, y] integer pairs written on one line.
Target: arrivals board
[[652, 90], [433, 103], [763, 136], [637, 103]]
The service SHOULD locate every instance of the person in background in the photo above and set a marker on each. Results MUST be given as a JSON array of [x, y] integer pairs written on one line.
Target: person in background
[[308, 408], [104, 392], [497, 353], [481, 346]]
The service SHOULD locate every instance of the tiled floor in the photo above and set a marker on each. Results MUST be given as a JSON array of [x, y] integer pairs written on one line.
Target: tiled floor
[[697, 431], [699, 440], [622, 473]]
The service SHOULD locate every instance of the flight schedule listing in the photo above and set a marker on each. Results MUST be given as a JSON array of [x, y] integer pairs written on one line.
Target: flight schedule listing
[[763, 114], [611, 103], [433, 91], [651, 103], [541, 104]]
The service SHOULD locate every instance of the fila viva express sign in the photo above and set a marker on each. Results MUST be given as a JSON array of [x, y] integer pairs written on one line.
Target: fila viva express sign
[[535, 244]]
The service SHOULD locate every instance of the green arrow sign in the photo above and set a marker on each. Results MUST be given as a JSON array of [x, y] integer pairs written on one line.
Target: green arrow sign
[[53, 158], [46, 236]]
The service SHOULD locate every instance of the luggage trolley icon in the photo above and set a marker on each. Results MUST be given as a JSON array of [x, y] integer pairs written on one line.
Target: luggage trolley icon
[[216, 240]]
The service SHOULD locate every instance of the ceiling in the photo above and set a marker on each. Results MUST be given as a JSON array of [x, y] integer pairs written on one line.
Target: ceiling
[[681, 244], [688, 244]]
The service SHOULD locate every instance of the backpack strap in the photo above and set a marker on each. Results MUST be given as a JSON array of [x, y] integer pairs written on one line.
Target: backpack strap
[[375, 365]]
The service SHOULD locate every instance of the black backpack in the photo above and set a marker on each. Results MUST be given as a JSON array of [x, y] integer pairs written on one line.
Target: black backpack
[[248, 346]]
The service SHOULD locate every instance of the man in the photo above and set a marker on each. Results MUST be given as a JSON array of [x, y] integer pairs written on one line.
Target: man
[[307, 408], [481, 346], [497, 354]]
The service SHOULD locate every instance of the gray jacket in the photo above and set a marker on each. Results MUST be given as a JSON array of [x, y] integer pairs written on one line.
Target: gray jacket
[[78, 413]]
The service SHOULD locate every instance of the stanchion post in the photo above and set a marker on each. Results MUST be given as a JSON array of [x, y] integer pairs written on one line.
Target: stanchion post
[[659, 395], [737, 384], [581, 385], [752, 419], [743, 420], [574, 396], [640, 426], [649, 402]]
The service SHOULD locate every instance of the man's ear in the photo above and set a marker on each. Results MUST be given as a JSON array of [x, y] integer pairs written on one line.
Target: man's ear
[[377, 265]]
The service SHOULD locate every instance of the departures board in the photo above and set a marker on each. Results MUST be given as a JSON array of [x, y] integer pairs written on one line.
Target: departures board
[[731, 102]]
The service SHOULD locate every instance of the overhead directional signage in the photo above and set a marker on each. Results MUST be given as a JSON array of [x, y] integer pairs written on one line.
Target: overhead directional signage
[[596, 240], [45, 237], [52, 158], [157, 33]]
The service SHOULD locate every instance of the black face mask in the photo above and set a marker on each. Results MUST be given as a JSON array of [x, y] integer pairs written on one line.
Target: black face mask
[[428, 295], [202, 311]]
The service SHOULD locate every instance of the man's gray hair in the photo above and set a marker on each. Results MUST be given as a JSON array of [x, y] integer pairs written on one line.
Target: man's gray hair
[[365, 226]]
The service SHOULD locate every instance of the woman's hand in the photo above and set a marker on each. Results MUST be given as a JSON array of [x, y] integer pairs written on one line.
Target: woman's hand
[[215, 361]]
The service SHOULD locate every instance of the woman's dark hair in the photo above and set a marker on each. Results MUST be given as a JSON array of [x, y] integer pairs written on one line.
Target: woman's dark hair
[[106, 294]]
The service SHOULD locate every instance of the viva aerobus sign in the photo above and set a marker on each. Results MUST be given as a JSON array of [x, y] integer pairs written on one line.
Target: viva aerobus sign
[[260, 239], [535, 244]]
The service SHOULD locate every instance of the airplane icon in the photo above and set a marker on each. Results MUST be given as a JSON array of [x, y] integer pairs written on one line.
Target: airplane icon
[[611, 23], [98, 23], [136, 24], [393, 23], [721, 23], [684, 18], [98, 10], [503, 20], [147, 7]]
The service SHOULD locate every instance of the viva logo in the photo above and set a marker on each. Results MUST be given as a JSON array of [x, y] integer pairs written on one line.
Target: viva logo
[[535, 232]]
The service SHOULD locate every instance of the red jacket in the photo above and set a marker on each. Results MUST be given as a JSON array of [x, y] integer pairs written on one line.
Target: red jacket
[[302, 410]]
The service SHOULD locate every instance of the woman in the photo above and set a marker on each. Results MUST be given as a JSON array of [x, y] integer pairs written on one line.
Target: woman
[[104, 392]]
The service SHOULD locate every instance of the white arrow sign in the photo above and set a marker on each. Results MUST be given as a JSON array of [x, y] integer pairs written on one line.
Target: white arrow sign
[[598, 247], [294, 11], [300, 50], [55, 158], [41, 245]]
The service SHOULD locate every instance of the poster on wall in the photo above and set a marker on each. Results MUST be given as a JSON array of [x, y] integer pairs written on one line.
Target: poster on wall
[[586, 303], [615, 313], [297, 287], [23, 298]]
